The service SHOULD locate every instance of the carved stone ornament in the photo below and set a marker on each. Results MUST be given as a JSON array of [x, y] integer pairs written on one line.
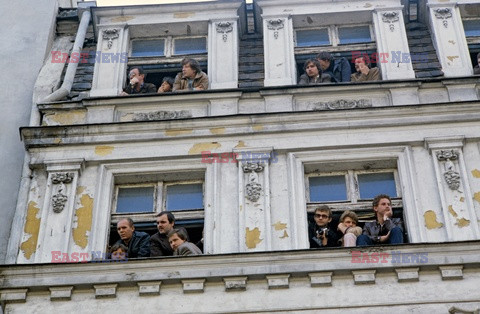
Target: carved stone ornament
[[59, 199], [162, 115], [457, 310], [253, 188], [451, 176], [390, 17], [444, 14], [225, 28], [275, 25], [110, 34], [341, 104]]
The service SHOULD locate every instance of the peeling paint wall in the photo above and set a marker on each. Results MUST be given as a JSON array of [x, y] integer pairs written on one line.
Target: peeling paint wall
[[252, 237], [31, 229], [65, 118], [83, 217]]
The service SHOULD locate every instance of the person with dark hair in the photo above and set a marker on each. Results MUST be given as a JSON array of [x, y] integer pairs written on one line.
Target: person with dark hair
[[364, 72], [118, 251], [180, 245], [159, 245], [137, 242], [319, 233], [338, 69], [313, 74], [167, 85], [384, 229], [476, 69], [191, 77], [137, 84]]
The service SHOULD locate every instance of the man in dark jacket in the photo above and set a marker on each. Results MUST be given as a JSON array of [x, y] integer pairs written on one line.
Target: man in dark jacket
[[338, 69], [137, 242], [319, 233], [137, 84], [313, 74], [385, 229], [159, 245]]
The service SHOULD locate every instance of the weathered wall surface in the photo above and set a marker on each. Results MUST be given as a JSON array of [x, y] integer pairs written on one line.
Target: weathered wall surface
[[24, 47]]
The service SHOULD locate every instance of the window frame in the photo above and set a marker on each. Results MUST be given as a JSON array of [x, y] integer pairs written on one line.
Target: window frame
[[169, 46]]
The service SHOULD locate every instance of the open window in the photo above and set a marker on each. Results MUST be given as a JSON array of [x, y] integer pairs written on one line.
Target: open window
[[472, 33], [340, 40], [352, 187], [161, 57], [181, 194]]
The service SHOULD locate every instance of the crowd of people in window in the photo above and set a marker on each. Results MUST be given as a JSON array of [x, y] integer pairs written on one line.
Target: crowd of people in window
[[173, 241]]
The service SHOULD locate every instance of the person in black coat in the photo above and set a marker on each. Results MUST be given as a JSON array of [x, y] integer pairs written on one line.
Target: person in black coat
[[137, 242], [319, 232]]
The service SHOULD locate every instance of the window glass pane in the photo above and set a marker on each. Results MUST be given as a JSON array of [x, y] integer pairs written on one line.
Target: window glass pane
[[184, 196], [472, 27], [331, 188], [185, 46], [372, 184], [148, 48], [135, 200], [314, 37], [353, 35]]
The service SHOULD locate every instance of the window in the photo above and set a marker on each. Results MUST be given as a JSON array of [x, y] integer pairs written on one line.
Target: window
[[354, 35], [352, 189], [471, 27], [161, 57], [143, 201], [312, 37]]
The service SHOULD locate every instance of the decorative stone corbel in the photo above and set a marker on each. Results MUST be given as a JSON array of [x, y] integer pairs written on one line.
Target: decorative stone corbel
[[390, 17], [443, 14], [59, 199], [253, 187], [224, 28], [110, 34], [275, 25], [451, 176]]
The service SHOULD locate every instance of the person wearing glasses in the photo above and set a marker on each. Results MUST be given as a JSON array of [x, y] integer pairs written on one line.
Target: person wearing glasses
[[319, 232], [137, 84]]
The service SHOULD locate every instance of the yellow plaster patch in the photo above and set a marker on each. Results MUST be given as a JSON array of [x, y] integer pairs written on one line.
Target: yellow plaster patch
[[452, 211], [127, 117], [462, 199], [240, 144], [279, 226], [84, 221], [122, 18], [103, 150], [176, 132], [32, 226], [451, 58], [257, 127], [476, 173], [285, 234], [217, 130], [183, 15], [66, 118], [462, 222], [80, 190], [476, 196], [201, 147], [57, 141], [252, 238], [431, 220]]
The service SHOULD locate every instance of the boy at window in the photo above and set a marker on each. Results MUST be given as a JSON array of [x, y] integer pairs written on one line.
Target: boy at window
[[348, 228], [137, 83], [180, 245], [364, 72], [118, 252], [167, 85], [338, 69], [313, 74], [191, 77], [319, 233], [385, 229]]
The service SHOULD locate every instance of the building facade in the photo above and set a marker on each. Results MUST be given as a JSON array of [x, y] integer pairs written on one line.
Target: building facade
[[249, 160]]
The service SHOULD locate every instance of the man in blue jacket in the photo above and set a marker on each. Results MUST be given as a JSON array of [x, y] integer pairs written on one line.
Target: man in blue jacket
[[137, 242], [338, 69]]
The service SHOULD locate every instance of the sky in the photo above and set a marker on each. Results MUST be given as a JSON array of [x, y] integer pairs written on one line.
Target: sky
[[102, 3]]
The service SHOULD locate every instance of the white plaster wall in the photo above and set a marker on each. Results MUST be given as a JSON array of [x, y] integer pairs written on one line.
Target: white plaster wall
[[25, 29]]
